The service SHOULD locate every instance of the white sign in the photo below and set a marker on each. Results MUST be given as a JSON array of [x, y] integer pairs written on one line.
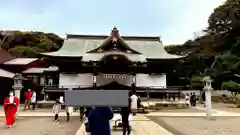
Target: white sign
[[114, 76]]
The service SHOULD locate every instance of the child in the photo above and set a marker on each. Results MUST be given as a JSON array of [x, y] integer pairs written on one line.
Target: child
[[56, 109]]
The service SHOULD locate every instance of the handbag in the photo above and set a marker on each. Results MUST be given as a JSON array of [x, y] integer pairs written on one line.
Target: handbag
[[87, 128]]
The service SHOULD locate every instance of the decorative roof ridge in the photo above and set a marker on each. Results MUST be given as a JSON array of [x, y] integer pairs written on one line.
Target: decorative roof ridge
[[115, 52], [114, 37], [102, 37]]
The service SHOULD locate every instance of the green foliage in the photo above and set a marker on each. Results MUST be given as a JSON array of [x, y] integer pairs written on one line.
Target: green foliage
[[29, 44], [217, 52], [225, 18], [196, 82], [231, 85], [22, 51]]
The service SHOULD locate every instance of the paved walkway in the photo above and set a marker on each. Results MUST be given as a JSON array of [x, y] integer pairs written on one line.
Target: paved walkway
[[141, 125], [199, 107], [47, 114]]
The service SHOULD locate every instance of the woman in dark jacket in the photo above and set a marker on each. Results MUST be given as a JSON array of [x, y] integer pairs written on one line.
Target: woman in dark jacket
[[98, 120]]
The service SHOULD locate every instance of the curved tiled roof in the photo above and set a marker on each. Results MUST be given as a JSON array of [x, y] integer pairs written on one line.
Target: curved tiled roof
[[81, 45], [6, 74]]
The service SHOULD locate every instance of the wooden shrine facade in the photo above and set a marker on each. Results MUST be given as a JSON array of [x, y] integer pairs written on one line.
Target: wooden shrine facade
[[84, 59]]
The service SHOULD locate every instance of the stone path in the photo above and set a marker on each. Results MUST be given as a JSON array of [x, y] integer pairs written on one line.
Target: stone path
[[214, 110], [141, 125], [39, 114]]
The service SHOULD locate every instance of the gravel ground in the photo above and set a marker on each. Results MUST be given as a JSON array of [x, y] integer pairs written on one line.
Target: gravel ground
[[41, 126], [226, 107], [199, 125]]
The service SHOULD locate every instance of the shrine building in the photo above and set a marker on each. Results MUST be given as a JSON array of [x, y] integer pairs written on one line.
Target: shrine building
[[109, 62]]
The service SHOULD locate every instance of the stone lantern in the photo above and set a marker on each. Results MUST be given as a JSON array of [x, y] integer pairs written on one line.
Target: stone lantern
[[208, 89], [17, 86]]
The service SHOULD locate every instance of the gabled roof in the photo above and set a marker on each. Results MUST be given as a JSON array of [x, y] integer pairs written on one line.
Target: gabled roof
[[20, 61], [6, 74], [39, 70], [82, 45], [114, 38]]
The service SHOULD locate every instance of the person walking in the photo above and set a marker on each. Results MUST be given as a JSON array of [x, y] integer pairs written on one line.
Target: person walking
[[191, 99], [98, 120], [28, 96], [134, 101], [187, 100], [125, 112], [56, 110], [81, 113], [69, 111], [204, 99], [194, 99], [10, 108], [34, 100]]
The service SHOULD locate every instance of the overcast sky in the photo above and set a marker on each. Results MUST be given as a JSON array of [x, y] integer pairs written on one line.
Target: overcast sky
[[174, 20]]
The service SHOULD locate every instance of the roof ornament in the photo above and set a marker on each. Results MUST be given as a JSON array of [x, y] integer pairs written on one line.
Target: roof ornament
[[207, 80], [115, 34]]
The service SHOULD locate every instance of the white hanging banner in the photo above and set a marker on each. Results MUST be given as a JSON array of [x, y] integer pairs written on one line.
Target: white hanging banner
[[134, 79], [94, 79], [115, 76], [124, 79]]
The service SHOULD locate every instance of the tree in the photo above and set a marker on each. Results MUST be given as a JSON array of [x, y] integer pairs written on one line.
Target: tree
[[196, 82], [29, 44], [233, 87], [225, 17], [216, 52]]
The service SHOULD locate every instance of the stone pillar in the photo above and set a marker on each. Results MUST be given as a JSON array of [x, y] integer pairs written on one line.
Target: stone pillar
[[208, 102], [208, 89]]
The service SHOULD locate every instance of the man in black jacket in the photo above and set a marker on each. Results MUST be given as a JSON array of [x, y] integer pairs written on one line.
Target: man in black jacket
[[125, 112]]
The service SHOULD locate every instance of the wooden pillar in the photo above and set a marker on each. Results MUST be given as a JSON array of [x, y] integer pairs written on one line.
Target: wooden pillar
[[134, 83], [148, 95], [94, 78]]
